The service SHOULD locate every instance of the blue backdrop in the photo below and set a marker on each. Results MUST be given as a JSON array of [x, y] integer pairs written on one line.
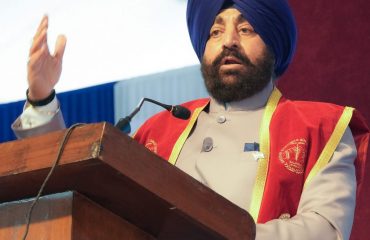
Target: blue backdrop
[[87, 105]]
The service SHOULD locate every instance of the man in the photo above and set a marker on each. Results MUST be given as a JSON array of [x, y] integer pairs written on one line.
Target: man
[[290, 164]]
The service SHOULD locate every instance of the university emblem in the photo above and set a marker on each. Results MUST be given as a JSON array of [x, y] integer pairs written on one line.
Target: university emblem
[[293, 155], [151, 145]]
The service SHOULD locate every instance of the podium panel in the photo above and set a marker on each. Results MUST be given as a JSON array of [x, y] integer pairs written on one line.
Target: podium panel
[[65, 216]]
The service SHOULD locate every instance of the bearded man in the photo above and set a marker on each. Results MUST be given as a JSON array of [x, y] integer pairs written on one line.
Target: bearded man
[[292, 165]]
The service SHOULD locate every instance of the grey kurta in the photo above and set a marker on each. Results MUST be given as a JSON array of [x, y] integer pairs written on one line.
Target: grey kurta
[[230, 171]]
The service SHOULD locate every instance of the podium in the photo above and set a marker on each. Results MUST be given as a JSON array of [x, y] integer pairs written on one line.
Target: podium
[[107, 186]]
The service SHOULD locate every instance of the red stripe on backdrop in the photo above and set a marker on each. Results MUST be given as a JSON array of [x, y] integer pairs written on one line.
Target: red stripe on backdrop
[[332, 63]]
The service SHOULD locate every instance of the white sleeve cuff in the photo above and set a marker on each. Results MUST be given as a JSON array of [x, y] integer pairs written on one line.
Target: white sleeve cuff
[[37, 116]]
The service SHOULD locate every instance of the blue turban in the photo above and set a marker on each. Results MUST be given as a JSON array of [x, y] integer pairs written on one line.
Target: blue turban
[[272, 20]]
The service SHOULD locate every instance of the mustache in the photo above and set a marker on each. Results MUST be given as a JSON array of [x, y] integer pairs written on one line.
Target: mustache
[[234, 53]]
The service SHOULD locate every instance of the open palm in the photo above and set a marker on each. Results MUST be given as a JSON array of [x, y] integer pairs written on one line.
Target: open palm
[[43, 68]]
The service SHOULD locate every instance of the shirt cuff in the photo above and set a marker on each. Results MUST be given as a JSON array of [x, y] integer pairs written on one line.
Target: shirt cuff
[[37, 116]]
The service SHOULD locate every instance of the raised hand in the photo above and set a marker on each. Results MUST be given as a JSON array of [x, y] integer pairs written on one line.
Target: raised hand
[[44, 69]]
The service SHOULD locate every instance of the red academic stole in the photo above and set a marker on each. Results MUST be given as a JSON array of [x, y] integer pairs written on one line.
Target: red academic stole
[[302, 138], [297, 140]]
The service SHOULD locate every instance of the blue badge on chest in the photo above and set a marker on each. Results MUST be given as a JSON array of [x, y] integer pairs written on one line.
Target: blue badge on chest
[[249, 147]]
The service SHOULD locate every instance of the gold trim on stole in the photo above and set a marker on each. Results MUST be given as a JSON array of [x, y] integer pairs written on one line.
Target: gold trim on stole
[[332, 144], [263, 163], [184, 135]]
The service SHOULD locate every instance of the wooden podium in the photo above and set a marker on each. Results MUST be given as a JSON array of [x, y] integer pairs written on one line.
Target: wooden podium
[[107, 186]]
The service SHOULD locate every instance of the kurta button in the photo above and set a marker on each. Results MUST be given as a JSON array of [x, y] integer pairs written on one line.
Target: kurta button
[[207, 144], [221, 119]]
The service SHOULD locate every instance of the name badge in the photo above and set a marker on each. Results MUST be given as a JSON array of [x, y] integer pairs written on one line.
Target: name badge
[[251, 147], [254, 149]]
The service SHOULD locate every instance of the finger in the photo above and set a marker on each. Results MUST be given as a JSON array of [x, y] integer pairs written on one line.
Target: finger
[[44, 23], [37, 43], [60, 46], [40, 37], [38, 34]]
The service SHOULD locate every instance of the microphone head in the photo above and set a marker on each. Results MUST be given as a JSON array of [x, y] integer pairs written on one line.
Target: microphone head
[[180, 112], [124, 125]]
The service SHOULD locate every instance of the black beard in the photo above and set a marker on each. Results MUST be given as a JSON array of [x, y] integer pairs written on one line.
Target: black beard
[[247, 82]]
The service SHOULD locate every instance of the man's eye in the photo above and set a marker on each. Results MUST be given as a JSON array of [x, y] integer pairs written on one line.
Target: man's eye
[[245, 30], [215, 33]]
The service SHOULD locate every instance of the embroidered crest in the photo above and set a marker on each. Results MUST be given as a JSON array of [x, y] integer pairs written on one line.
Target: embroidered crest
[[293, 155], [151, 145]]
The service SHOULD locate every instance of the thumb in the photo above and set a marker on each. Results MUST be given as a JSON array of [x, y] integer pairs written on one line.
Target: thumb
[[60, 46]]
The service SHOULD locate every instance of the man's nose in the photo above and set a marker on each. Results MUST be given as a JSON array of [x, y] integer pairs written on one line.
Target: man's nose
[[231, 39]]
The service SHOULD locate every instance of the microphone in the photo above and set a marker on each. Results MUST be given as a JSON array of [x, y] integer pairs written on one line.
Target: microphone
[[177, 111]]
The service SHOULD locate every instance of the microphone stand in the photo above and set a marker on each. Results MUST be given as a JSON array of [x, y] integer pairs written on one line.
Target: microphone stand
[[178, 111]]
